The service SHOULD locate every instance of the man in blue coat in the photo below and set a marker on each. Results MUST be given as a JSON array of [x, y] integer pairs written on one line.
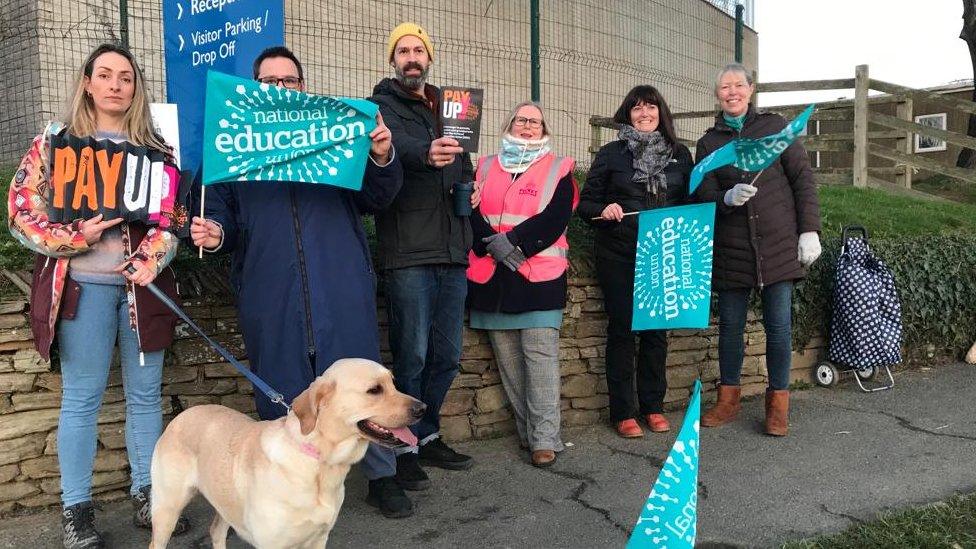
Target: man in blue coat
[[306, 289]]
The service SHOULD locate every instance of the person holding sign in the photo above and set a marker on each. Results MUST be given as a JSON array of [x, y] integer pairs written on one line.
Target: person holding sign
[[645, 168], [766, 235], [84, 297], [301, 268], [517, 271], [423, 245]]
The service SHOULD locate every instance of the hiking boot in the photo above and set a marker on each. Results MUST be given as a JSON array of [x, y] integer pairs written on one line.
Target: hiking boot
[[78, 527], [726, 408], [142, 507], [409, 475], [437, 454], [386, 495]]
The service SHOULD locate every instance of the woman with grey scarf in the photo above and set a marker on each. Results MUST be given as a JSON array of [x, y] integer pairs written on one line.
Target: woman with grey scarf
[[645, 168]]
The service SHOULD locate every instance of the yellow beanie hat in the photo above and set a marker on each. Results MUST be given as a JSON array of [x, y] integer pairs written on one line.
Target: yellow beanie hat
[[409, 29]]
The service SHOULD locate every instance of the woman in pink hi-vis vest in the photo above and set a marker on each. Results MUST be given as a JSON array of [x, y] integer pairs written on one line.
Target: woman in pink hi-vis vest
[[525, 196]]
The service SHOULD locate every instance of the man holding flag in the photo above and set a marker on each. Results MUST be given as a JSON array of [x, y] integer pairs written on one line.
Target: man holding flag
[[302, 271], [766, 235]]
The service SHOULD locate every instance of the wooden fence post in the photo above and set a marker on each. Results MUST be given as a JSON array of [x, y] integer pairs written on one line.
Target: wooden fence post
[[861, 84], [906, 143]]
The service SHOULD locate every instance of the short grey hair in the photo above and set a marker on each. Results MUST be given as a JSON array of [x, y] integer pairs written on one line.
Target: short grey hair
[[511, 117], [738, 68]]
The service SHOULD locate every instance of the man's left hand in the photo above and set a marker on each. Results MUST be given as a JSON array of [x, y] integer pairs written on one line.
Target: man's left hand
[[381, 137], [144, 273]]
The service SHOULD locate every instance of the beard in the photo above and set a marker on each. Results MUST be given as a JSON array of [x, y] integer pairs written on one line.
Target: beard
[[412, 82]]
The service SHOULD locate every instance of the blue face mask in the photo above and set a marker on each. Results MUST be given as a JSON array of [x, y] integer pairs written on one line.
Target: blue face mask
[[516, 155]]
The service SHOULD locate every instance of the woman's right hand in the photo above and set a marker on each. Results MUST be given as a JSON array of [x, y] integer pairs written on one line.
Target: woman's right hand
[[476, 194], [93, 228], [205, 233], [613, 212]]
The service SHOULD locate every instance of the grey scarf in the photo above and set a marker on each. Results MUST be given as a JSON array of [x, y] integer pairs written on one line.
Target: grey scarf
[[651, 152]]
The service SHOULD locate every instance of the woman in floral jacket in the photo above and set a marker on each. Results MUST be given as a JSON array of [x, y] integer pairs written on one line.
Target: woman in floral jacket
[[85, 295]]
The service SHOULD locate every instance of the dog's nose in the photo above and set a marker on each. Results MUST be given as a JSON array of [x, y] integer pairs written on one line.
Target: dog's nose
[[417, 409]]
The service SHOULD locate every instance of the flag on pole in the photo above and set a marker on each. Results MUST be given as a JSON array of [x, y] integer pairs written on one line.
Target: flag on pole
[[669, 519], [751, 155]]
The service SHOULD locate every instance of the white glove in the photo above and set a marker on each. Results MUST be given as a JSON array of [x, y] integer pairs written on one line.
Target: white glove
[[740, 194], [809, 248]]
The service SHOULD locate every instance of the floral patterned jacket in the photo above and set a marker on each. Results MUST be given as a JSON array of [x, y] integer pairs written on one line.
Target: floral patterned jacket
[[56, 243]]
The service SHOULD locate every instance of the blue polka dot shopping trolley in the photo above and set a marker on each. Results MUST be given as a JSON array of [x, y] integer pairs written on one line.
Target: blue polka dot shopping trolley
[[865, 329]]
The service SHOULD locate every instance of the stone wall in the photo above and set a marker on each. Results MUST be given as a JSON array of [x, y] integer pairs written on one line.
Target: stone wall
[[476, 406]]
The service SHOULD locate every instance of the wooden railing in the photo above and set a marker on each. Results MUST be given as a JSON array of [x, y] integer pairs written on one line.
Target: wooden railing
[[861, 141]]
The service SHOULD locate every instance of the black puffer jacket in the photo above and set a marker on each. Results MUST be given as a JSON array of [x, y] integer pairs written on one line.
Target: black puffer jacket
[[611, 179], [756, 244], [420, 227]]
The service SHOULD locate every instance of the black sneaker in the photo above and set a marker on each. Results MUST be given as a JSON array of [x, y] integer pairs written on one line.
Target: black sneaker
[[142, 506], [386, 495], [437, 454], [78, 527], [409, 475]]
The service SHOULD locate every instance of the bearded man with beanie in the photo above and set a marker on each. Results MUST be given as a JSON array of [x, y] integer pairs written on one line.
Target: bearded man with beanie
[[422, 250]]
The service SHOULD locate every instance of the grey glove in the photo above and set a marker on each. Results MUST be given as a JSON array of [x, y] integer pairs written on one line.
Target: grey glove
[[504, 252], [514, 259]]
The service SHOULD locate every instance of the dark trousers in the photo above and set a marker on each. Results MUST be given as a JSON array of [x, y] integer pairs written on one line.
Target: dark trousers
[[617, 281]]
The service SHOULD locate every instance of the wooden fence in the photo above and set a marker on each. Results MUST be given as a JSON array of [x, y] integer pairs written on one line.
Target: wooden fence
[[862, 142]]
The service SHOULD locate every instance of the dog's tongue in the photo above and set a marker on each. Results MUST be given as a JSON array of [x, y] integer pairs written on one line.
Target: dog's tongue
[[405, 435]]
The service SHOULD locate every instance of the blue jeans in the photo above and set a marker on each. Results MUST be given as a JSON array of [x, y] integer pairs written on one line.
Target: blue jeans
[[777, 318], [86, 344], [426, 309]]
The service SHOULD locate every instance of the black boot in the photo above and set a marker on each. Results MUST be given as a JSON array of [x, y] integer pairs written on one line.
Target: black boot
[[386, 494], [78, 527], [409, 475], [437, 454], [142, 509]]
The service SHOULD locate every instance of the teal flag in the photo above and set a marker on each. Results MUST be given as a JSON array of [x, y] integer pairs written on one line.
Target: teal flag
[[260, 132], [751, 155], [669, 518], [673, 268]]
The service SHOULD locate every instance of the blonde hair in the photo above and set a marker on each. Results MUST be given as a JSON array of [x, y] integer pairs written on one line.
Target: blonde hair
[[80, 117], [507, 127]]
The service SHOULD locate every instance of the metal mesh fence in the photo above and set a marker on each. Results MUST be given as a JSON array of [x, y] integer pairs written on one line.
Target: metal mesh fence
[[592, 52]]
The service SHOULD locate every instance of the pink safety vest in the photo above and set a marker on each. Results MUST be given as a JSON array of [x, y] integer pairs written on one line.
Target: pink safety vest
[[505, 204]]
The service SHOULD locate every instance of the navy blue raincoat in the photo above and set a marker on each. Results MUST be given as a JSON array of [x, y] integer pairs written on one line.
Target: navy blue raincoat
[[306, 289]]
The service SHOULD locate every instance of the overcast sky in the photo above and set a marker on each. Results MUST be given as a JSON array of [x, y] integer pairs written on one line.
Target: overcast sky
[[909, 42]]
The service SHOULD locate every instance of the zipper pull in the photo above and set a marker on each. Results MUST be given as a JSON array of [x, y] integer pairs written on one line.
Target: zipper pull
[[142, 358]]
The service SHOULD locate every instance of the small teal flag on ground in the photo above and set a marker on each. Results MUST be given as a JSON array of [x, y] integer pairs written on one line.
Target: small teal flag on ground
[[669, 519], [259, 132], [673, 268], [751, 155]]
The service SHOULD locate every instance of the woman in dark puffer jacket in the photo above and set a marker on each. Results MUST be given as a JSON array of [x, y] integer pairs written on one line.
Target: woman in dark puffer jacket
[[766, 235]]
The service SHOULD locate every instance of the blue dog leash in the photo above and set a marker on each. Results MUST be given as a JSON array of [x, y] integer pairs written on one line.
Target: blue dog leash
[[258, 382]]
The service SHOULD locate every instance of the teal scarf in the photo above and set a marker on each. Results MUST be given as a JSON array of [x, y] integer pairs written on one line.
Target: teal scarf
[[516, 155]]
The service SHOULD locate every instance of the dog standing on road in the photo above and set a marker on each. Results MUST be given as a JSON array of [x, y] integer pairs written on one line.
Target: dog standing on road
[[279, 483]]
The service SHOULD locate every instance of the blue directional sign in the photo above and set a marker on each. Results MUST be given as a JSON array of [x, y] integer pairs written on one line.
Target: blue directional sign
[[220, 35]]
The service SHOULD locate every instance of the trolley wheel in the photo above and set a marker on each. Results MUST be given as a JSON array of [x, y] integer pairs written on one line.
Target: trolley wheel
[[868, 374], [826, 375]]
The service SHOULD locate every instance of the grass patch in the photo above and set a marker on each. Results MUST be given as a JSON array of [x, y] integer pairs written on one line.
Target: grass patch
[[950, 525], [886, 215], [948, 187]]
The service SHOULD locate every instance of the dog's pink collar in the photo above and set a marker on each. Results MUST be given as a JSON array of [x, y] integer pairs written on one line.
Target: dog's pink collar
[[310, 450]]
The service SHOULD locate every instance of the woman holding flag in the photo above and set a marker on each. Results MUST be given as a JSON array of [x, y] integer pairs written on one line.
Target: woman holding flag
[[645, 168], [517, 271], [84, 296], [766, 235]]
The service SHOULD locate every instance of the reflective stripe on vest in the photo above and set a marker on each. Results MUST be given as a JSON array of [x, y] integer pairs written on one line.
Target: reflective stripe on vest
[[547, 264]]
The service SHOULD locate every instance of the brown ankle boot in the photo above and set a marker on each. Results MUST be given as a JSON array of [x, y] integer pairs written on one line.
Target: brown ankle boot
[[777, 412], [726, 409]]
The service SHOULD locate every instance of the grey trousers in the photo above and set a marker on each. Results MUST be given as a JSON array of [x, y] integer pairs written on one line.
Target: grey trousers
[[528, 361]]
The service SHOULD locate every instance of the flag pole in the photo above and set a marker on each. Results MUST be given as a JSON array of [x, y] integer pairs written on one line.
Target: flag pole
[[203, 194]]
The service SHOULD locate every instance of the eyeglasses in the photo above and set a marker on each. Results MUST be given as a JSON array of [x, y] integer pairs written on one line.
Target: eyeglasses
[[532, 123], [291, 82]]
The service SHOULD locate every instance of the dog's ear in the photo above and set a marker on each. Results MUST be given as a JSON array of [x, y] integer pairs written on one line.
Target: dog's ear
[[306, 405]]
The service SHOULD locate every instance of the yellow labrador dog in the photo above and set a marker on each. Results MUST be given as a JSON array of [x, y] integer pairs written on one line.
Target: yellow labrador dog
[[279, 483]]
